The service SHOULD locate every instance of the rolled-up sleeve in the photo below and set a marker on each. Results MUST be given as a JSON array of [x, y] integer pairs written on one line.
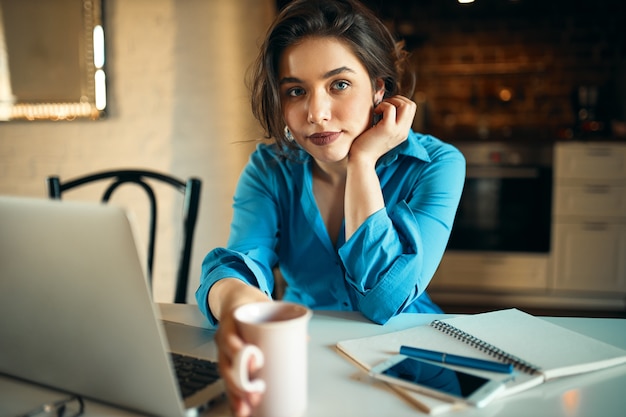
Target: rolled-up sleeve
[[226, 263], [392, 257]]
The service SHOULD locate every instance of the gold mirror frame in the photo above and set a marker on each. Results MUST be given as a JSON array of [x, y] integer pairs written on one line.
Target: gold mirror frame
[[51, 60]]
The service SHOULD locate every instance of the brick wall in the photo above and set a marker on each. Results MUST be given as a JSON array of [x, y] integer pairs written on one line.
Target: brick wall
[[503, 69]]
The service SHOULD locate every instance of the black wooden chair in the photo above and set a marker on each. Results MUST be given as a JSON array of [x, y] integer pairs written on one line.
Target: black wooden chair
[[143, 178]]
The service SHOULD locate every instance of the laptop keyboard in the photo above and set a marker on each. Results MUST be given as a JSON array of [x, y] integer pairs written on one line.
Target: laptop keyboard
[[194, 374]]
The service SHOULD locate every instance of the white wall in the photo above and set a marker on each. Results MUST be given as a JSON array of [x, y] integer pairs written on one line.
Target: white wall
[[177, 103]]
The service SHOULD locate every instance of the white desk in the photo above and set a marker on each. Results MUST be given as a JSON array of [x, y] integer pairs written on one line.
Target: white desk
[[339, 388]]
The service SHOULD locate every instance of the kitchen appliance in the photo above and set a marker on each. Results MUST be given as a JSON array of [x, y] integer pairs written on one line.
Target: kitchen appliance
[[501, 236], [506, 201]]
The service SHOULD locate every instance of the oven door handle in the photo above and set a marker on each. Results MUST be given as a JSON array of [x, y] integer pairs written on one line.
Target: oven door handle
[[502, 172]]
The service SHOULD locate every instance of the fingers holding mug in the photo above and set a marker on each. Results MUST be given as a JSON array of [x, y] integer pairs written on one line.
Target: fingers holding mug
[[247, 356]]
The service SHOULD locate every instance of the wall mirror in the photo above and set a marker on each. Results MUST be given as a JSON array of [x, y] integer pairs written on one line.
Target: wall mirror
[[51, 60]]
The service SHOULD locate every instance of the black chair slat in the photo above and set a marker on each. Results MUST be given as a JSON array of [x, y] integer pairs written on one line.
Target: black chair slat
[[191, 193]]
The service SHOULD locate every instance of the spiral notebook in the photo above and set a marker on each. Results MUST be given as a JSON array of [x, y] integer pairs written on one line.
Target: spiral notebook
[[538, 349]]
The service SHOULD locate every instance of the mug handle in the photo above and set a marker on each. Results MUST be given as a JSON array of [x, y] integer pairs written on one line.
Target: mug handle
[[240, 374]]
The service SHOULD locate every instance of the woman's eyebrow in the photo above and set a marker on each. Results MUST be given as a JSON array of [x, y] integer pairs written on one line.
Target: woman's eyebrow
[[287, 80], [329, 74], [338, 71]]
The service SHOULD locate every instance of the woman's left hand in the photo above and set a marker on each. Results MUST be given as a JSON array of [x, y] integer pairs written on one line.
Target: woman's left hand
[[398, 113]]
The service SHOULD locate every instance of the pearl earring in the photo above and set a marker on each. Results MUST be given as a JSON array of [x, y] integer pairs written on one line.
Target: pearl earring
[[288, 134]]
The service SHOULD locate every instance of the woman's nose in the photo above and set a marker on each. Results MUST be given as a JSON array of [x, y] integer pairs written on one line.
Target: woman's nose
[[319, 108]]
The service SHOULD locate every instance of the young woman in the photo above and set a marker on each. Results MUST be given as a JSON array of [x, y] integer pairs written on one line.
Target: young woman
[[352, 206]]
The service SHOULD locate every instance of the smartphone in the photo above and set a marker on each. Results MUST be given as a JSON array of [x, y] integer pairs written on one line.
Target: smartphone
[[438, 381]]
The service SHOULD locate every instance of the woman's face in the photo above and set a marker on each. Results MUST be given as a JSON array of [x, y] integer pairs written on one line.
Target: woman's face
[[326, 96]]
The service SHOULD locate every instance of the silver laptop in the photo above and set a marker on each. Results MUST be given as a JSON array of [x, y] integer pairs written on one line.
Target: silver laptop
[[76, 313]]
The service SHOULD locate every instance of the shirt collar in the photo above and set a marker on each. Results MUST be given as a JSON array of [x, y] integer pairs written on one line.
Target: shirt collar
[[411, 147]]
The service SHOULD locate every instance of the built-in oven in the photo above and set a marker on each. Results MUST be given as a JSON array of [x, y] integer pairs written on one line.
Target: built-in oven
[[506, 201], [500, 240]]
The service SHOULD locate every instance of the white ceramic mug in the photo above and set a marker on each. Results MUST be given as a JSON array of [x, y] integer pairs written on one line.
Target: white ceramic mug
[[276, 336]]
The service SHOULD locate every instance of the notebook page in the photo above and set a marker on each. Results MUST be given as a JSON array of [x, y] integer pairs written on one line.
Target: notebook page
[[557, 351]]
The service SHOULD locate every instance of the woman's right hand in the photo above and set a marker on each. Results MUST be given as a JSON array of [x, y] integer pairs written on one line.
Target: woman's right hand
[[229, 343], [224, 297]]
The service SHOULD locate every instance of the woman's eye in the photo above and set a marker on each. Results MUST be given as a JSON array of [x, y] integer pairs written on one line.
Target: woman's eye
[[295, 92], [341, 85]]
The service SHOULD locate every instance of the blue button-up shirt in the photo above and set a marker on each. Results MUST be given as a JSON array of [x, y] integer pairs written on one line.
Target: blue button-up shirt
[[382, 270]]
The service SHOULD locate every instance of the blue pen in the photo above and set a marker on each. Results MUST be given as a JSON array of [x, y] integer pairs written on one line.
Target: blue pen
[[441, 357]]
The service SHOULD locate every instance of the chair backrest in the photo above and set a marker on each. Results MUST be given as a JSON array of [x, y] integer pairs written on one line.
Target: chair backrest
[[190, 190]]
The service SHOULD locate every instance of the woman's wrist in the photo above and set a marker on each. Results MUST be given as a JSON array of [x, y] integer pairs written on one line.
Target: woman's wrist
[[361, 162], [229, 293]]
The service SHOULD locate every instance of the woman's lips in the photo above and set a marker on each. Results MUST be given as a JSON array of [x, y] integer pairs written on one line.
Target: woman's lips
[[324, 138]]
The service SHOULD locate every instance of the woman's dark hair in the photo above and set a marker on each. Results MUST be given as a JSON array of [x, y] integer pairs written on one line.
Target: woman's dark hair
[[346, 20]]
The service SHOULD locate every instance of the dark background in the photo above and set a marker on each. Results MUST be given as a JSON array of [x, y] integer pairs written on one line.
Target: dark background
[[513, 69]]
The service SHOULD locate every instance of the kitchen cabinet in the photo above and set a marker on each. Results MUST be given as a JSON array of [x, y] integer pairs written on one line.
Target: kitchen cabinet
[[585, 266], [491, 271], [590, 256], [589, 219]]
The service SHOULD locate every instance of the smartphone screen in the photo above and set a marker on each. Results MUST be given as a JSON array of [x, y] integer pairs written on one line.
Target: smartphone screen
[[456, 383]]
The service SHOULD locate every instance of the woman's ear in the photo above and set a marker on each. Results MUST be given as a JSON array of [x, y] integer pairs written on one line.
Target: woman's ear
[[379, 94]]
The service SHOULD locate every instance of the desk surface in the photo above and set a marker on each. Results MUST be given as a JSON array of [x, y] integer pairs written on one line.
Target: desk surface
[[338, 387]]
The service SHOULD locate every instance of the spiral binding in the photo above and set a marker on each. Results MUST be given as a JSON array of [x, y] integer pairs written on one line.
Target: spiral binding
[[483, 346]]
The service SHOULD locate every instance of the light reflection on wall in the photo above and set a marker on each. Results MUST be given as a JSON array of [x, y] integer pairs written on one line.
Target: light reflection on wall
[[98, 61]]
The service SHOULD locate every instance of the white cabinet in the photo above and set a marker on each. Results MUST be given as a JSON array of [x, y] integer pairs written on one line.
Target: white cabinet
[[589, 218], [590, 257]]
